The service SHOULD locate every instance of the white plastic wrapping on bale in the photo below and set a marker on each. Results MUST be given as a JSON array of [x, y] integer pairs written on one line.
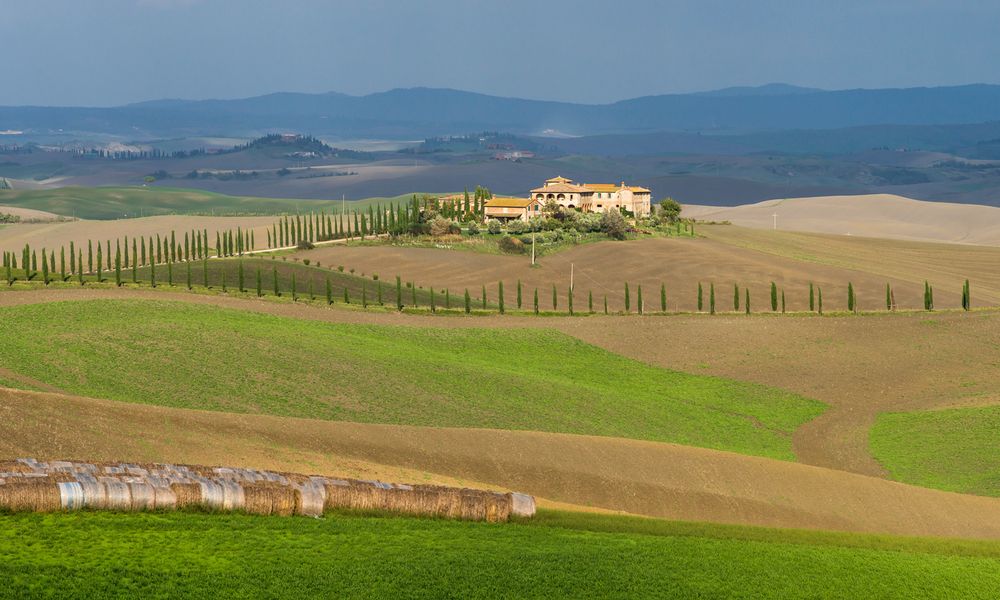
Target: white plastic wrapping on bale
[[164, 497], [119, 496], [233, 497], [95, 495], [523, 505], [143, 496], [211, 494], [313, 496], [70, 495]]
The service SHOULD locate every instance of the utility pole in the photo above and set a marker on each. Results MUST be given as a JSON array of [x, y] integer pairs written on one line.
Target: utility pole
[[571, 277], [532, 247]]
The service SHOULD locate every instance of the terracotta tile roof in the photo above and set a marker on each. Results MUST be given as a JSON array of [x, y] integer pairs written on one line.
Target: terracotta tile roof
[[500, 202], [558, 179], [556, 188]]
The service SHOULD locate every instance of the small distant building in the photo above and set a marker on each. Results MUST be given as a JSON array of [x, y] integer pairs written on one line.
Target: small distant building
[[594, 197], [509, 209]]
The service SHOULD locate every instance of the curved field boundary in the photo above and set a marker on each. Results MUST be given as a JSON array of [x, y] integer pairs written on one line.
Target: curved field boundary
[[661, 480]]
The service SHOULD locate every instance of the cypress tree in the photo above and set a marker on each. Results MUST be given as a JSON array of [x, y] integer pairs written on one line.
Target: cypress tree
[[329, 292], [45, 269], [125, 254], [736, 298], [774, 297], [590, 302], [173, 247], [518, 294], [819, 299], [536, 289], [605, 304], [701, 295], [931, 295], [628, 299], [52, 261], [135, 261], [152, 273], [663, 297], [274, 279], [72, 258], [62, 263], [746, 300], [782, 301], [399, 293], [118, 266], [484, 297], [218, 244], [812, 298], [99, 263], [966, 296], [79, 267], [850, 297], [888, 297], [239, 276], [711, 298], [468, 301], [187, 264], [90, 257], [555, 299], [500, 297]]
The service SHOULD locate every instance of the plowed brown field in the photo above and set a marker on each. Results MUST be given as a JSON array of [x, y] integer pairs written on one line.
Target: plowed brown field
[[661, 480]]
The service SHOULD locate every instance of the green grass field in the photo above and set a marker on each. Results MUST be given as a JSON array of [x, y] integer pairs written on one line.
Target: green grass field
[[117, 202], [203, 357], [556, 555], [955, 450]]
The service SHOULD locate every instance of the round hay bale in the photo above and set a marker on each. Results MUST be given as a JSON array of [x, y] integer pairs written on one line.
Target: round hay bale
[[119, 495], [70, 495], [36, 496], [269, 499], [212, 495], [522, 505], [310, 498], [164, 497], [187, 494], [143, 496], [233, 497], [338, 495], [257, 499], [95, 494]]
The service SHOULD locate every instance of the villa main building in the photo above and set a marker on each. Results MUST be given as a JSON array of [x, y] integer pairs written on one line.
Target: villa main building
[[594, 197]]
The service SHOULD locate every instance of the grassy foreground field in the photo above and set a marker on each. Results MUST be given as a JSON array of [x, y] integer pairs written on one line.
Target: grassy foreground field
[[189, 356], [116, 202], [556, 555], [954, 449]]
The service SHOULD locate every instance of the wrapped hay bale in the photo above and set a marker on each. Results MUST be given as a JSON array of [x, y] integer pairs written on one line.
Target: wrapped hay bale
[[187, 494], [95, 495], [211, 494], [118, 494], [70, 495], [164, 498], [522, 505], [143, 495], [310, 497], [38, 495], [233, 497]]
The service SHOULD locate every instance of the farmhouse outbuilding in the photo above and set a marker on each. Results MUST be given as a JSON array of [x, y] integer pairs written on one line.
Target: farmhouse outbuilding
[[509, 209], [594, 197]]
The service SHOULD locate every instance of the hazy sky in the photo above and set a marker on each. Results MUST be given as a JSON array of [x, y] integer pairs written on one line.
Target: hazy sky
[[105, 52]]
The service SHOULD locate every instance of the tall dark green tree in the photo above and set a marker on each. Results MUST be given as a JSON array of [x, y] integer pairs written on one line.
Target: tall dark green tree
[[819, 299], [782, 300], [187, 265], [518, 294], [966, 297], [79, 267], [118, 266], [850, 297], [628, 299], [711, 298], [569, 299], [888, 297], [701, 298], [72, 258], [399, 293], [99, 263], [536, 289], [555, 298], [736, 298], [90, 257], [468, 301], [500, 296], [45, 268], [663, 297], [62, 263], [590, 301], [746, 300], [605, 304], [774, 297], [812, 298]]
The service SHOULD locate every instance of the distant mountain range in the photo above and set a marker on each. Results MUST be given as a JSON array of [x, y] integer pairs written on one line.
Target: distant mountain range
[[426, 112]]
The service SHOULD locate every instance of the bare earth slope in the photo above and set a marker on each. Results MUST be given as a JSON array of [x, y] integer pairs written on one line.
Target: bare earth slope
[[868, 215], [661, 480], [859, 366]]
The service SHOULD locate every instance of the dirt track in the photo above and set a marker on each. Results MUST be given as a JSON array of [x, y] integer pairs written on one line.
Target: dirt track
[[681, 263], [859, 366], [661, 480]]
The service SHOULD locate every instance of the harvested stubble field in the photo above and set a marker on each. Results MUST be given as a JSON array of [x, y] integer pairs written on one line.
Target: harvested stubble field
[[725, 256], [187, 356], [556, 555], [582, 472]]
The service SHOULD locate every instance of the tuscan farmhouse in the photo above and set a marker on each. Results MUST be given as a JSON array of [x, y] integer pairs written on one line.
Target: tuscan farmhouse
[[509, 209], [594, 197]]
